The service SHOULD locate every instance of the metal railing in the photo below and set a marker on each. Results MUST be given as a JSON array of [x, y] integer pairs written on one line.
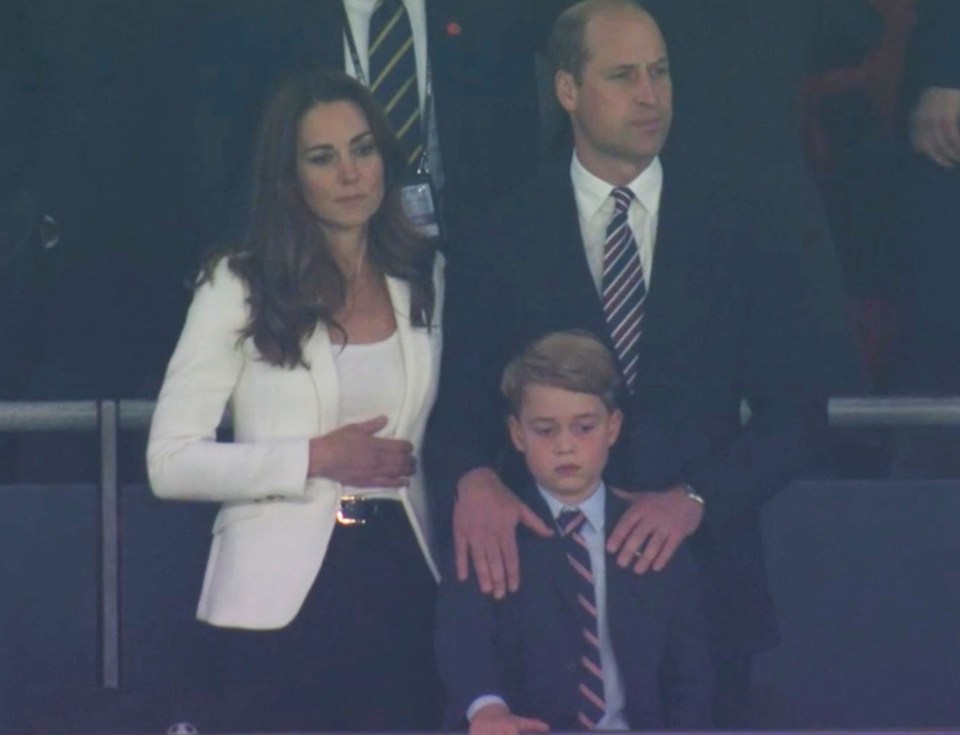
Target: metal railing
[[110, 418]]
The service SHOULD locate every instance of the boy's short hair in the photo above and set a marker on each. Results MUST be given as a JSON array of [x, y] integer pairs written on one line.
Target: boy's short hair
[[574, 360]]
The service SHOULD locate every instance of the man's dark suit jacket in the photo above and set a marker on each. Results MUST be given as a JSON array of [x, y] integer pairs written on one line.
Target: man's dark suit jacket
[[736, 311], [526, 647], [482, 65]]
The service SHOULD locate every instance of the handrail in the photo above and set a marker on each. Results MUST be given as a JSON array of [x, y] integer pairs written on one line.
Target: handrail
[[109, 418], [102, 417], [132, 415], [48, 415], [892, 411]]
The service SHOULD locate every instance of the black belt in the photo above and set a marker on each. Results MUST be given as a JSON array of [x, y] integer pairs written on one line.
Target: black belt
[[357, 510]]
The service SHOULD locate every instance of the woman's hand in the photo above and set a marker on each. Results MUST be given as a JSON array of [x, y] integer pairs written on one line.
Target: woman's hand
[[353, 456]]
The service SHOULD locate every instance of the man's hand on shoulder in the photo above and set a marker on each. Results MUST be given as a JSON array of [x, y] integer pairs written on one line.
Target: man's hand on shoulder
[[652, 528], [485, 519], [935, 126], [496, 719]]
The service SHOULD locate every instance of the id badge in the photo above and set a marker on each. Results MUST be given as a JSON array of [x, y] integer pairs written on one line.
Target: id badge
[[419, 204]]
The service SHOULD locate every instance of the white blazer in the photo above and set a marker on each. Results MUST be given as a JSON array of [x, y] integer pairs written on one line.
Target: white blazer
[[273, 529]]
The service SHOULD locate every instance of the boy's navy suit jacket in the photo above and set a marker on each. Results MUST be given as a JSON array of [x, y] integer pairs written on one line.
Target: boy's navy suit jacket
[[526, 647]]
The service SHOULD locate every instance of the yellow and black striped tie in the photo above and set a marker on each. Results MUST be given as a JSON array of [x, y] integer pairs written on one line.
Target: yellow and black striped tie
[[393, 74]]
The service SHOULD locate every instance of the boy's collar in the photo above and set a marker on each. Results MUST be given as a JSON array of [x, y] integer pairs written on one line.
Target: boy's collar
[[594, 507]]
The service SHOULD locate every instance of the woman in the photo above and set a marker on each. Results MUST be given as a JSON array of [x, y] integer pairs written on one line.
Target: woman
[[322, 333]]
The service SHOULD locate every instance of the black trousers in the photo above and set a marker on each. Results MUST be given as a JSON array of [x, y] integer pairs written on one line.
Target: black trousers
[[358, 656]]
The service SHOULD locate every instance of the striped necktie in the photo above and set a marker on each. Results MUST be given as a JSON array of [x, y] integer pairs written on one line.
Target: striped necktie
[[623, 288], [590, 703], [393, 74]]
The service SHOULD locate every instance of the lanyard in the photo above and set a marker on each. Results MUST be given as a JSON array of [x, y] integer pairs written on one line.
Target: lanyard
[[426, 116]]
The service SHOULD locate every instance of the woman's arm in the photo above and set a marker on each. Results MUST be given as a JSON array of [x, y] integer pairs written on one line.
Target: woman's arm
[[184, 459]]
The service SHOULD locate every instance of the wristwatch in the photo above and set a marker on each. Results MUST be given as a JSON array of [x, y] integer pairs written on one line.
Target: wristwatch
[[693, 494]]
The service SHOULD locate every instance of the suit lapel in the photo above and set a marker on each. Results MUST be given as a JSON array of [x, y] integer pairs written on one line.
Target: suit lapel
[[627, 599], [318, 352], [561, 575], [562, 256], [416, 368], [552, 551], [666, 297]]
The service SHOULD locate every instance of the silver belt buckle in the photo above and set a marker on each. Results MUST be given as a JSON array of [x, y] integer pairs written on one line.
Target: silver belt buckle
[[345, 517]]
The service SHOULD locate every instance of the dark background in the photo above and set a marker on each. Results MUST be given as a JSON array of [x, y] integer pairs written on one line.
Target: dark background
[[99, 130]]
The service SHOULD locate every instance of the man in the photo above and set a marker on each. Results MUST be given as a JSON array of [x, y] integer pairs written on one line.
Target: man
[[927, 201], [935, 122], [729, 312], [474, 78]]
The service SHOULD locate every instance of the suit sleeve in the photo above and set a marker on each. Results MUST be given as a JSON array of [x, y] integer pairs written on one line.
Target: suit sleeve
[[466, 429], [797, 352], [466, 646], [686, 672], [184, 459]]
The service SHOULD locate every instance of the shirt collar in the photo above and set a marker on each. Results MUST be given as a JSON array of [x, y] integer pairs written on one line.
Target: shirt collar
[[593, 192], [593, 507]]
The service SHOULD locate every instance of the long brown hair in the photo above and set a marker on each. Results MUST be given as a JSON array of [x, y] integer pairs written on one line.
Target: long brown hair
[[285, 259]]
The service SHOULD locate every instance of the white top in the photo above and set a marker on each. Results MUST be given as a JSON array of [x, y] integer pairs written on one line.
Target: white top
[[595, 209], [358, 15], [372, 382]]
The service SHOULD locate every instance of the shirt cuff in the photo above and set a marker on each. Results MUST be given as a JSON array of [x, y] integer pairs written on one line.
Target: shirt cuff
[[483, 701]]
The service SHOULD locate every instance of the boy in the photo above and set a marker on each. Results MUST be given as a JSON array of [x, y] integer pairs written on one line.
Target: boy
[[583, 644]]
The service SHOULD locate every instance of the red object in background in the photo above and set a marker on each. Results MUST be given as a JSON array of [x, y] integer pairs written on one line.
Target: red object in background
[[875, 320], [453, 28], [878, 77], [875, 323]]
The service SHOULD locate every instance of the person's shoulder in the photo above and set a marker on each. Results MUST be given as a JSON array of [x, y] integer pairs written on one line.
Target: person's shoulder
[[527, 492], [616, 506], [681, 565], [550, 182], [221, 280], [709, 187], [733, 213], [491, 241]]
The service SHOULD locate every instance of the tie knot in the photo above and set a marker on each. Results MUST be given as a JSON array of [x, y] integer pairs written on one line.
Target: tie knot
[[569, 521], [622, 197]]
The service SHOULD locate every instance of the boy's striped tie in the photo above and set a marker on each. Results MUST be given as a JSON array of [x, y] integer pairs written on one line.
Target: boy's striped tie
[[590, 705]]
